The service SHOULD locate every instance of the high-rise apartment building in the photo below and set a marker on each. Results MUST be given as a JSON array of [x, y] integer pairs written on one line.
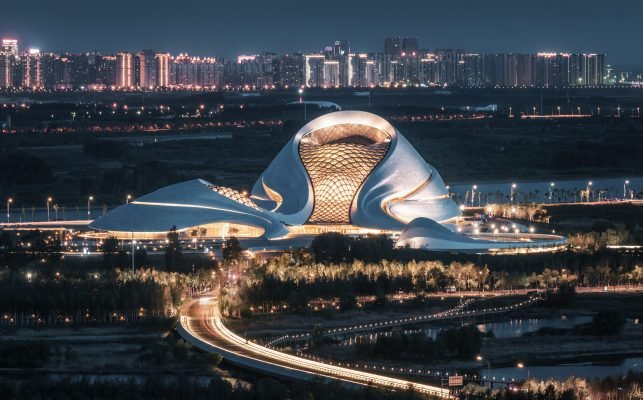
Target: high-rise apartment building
[[6, 70], [449, 65], [145, 69], [341, 47], [124, 70], [289, 70], [331, 73], [31, 71], [314, 70], [428, 69], [106, 71], [410, 45], [162, 74], [10, 46], [392, 46]]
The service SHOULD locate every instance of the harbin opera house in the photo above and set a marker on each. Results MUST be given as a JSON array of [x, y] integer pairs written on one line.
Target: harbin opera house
[[348, 171]]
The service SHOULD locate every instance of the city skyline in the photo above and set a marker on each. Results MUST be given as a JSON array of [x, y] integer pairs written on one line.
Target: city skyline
[[402, 62], [231, 29]]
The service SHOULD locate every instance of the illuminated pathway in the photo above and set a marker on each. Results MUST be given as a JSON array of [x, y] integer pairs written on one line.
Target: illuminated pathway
[[201, 325], [457, 312]]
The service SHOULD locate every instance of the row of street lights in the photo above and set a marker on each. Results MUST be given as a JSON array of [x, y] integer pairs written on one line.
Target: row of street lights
[[514, 186], [50, 200], [520, 365], [578, 109]]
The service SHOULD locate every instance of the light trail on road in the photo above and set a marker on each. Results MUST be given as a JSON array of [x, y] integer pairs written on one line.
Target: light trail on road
[[203, 327]]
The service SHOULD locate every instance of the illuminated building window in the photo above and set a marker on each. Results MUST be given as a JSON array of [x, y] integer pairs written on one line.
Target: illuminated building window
[[338, 159]]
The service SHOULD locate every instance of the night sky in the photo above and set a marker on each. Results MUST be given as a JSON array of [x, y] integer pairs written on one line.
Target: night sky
[[227, 28]]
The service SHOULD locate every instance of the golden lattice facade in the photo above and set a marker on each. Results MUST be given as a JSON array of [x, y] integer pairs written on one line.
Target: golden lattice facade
[[338, 160], [233, 195]]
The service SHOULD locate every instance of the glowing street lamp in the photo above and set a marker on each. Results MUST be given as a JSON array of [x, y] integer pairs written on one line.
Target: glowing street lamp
[[513, 188], [534, 111], [558, 110], [521, 366], [9, 201], [89, 206], [627, 182], [473, 194], [618, 109], [49, 200], [128, 198], [589, 185], [479, 358], [551, 189], [301, 101]]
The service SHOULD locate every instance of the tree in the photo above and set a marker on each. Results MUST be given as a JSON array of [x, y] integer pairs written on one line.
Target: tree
[[109, 250], [317, 335], [331, 247], [232, 249], [173, 251], [348, 301]]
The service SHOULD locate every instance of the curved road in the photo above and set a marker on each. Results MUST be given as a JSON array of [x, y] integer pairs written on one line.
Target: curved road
[[201, 324]]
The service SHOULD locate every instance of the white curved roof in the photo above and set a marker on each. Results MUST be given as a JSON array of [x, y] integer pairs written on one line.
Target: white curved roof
[[186, 205], [424, 233], [402, 188]]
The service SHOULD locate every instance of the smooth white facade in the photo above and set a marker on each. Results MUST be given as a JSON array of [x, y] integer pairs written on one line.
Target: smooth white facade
[[424, 233], [186, 205]]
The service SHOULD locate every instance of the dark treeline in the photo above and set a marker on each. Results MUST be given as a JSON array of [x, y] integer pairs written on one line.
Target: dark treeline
[[606, 322], [20, 249], [461, 343], [39, 249], [40, 287], [335, 248], [51, 295], [49, 300], [184, 387]]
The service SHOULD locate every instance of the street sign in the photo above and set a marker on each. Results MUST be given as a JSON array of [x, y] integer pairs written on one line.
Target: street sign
[[455, 380]]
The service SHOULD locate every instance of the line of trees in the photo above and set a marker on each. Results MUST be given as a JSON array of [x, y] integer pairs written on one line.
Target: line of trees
[[51, 296], [285, 279]]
